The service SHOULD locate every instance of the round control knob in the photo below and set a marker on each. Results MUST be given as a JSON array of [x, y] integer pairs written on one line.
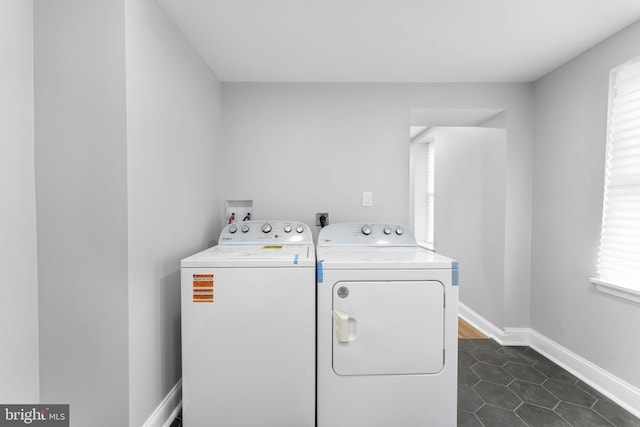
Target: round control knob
[[244, 228], [287, 228], [266, 227], [387, 230], [366, 230], [299, 228], [233, 229], [399, 231]]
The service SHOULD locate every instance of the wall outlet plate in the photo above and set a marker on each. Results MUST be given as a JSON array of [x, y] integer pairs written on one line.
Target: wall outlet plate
[[319, 216]]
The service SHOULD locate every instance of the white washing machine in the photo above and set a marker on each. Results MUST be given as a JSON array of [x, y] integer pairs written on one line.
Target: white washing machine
[[387, 329], [248, 328]]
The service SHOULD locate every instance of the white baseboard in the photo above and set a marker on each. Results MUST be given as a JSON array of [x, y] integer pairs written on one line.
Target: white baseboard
[[480, 323], [168, 409], [618, 390], [517, 336]]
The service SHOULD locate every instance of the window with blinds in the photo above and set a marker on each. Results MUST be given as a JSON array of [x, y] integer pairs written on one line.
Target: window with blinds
[[618, 270]]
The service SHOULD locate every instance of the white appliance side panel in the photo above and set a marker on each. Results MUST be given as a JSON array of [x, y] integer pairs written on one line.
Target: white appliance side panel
[[394, 328], [248, 356]]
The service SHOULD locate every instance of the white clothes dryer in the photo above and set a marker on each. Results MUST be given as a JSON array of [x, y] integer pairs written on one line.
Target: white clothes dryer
[[387, 329], [248, 328]]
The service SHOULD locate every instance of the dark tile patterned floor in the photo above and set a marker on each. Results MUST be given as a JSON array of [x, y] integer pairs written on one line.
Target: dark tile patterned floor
[[178, 421], [517, 386]]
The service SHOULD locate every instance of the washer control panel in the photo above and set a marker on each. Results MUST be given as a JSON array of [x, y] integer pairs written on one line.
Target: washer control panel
[[366, 235], [263, 232]]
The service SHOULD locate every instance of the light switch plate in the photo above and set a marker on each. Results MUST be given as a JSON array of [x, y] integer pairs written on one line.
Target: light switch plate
[[367, 198]]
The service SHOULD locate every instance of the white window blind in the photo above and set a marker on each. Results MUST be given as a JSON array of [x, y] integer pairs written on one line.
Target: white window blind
[[618, 268]]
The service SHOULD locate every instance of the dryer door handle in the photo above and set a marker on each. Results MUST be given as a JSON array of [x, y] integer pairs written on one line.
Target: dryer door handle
[[341, 325]]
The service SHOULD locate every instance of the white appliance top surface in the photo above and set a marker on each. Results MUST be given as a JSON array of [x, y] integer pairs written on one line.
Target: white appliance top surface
[[262, 255], [382, 258], [268, 243], [374, 246]]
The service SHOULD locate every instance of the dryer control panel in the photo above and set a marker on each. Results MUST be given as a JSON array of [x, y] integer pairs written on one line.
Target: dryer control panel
[[263, 232], [356, 234]]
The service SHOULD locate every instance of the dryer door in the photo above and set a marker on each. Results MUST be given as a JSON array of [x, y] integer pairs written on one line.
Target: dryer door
[[388, 328]]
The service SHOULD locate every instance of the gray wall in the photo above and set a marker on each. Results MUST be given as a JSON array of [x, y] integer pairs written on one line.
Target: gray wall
[[570, 135], [298, 149], [81, 165], [18, 261], [469, 212], [173, 125], [127, 139]]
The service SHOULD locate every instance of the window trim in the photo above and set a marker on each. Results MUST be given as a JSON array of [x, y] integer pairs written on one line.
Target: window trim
[[616, 290], [420, 145], [607, 286]]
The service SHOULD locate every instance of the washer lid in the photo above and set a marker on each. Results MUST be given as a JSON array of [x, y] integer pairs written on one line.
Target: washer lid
[[240, 256]]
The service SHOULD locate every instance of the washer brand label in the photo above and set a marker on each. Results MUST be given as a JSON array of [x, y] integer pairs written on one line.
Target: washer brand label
[[34, 415], [203, 288]]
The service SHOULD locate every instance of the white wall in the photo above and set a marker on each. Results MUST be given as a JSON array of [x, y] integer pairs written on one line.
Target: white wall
[[469, 212], [127, 121], [570, 133], [298, 149], [173, 125], [19, 290], [80, 134]]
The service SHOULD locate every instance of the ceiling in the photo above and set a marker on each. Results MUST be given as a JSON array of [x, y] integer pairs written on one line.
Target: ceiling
[[394, 40]]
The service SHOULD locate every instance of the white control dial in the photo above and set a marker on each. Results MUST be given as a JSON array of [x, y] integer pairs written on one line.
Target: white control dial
[[387, 230], [366, 230], [287, 228], [233, 229], [399, 231], [245, 228], [299, 228], [266, 227]]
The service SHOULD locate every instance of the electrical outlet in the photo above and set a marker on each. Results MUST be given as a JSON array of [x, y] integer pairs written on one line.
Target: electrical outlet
[[322, 217]]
